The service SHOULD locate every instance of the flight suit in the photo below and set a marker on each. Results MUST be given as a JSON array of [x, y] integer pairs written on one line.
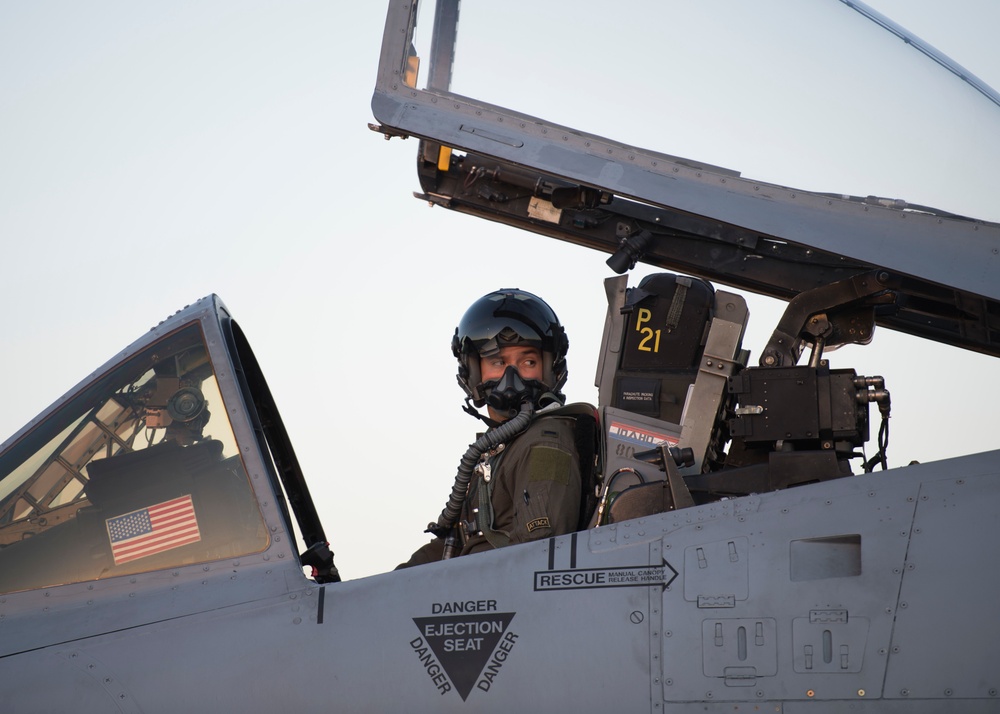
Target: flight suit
[[534, 491]]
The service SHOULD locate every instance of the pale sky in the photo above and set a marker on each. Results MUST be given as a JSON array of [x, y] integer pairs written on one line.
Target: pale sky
[[151, 154]]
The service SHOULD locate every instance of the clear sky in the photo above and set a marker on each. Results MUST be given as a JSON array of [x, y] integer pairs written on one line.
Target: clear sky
[[151, 154]]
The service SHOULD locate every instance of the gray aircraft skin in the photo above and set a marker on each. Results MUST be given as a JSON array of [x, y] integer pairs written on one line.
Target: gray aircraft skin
[[160, 552]]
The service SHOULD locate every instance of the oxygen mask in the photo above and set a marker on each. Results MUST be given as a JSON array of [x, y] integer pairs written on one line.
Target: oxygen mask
[[507, 394]]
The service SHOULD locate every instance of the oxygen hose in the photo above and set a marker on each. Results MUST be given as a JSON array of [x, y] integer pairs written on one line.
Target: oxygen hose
[[484, 443]]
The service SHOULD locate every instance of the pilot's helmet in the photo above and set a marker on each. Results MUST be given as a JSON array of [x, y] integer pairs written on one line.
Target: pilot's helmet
[[509, 317]]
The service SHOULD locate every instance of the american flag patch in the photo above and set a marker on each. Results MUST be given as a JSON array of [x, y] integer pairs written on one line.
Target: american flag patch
[[153, 530]]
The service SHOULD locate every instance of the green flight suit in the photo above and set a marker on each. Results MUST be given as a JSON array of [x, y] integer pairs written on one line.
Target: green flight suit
[[534, 491]]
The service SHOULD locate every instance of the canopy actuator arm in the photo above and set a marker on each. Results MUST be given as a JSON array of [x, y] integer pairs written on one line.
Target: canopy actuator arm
[[829, 316]]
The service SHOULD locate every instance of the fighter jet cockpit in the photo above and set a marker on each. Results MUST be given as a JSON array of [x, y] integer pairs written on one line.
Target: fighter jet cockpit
[[689, 414], [140, 471], [750, 537]]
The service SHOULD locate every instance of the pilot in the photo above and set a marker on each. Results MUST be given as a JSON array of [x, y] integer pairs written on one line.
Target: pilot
[[511, 352]]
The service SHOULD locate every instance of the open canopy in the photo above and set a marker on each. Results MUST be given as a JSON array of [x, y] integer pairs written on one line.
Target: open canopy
[[891, 147]]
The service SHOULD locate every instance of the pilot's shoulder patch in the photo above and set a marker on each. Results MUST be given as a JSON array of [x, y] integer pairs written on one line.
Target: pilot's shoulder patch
[[546, 463], [542, 522]]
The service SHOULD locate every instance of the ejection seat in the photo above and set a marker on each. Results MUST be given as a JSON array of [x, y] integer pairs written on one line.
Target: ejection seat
[[669, 347]]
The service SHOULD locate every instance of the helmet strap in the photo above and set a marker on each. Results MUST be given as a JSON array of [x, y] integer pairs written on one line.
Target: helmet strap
[[469, 409]]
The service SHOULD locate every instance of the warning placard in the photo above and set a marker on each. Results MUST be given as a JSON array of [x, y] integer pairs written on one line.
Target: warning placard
[[621, 577], [462, 646]]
